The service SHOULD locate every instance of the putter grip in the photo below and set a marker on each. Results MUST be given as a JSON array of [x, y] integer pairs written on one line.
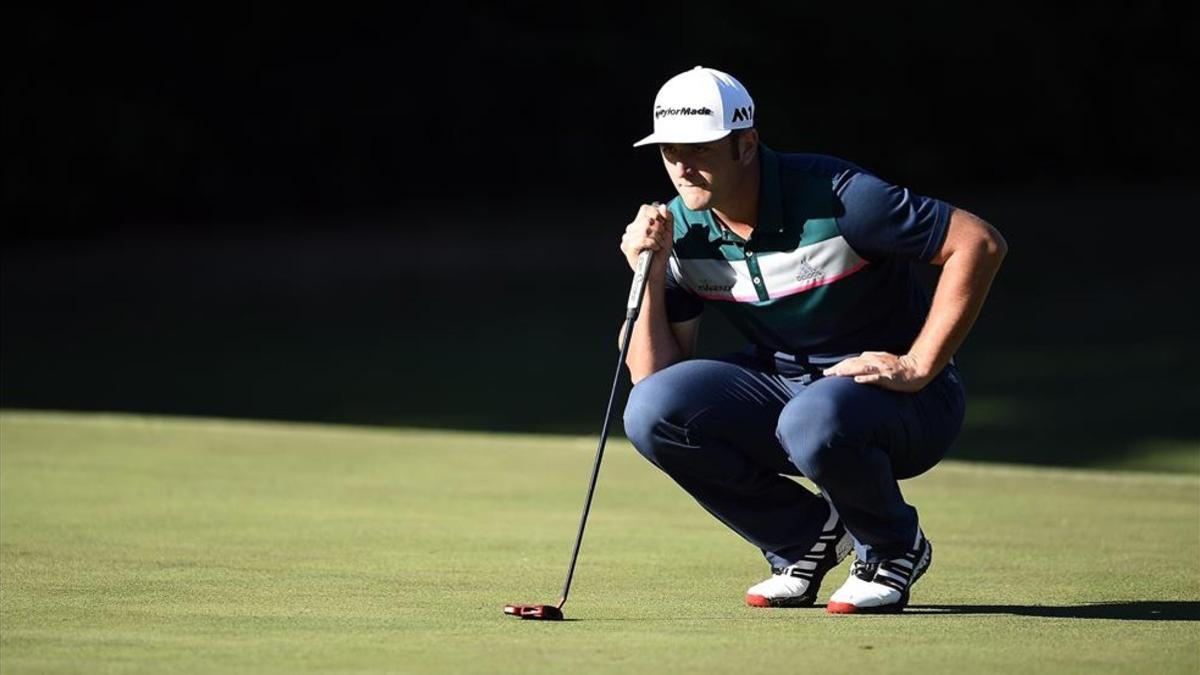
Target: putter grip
[[638, 289]]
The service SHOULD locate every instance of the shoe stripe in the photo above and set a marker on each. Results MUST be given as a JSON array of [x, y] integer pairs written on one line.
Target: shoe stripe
[[831, 522], [902, 574], [890, 583], [895, 570]]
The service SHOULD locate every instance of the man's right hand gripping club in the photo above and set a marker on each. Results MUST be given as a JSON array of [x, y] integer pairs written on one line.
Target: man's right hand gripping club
[[652, 228], [655, 343]]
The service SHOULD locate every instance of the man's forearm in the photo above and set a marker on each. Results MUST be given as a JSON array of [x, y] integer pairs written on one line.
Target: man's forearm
[[965, 280], [652, 346]]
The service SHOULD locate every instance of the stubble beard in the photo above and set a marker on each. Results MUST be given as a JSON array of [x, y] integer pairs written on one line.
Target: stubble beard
[[696, 200]]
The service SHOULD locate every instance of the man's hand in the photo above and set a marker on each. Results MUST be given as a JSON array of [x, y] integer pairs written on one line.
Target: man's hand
[[653, 228], [898, 373]]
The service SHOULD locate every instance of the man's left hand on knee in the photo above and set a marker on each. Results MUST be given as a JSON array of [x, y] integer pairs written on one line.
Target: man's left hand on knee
[[882, 369]]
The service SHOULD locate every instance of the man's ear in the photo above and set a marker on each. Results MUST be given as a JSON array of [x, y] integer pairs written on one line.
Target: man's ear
[[748, 146]]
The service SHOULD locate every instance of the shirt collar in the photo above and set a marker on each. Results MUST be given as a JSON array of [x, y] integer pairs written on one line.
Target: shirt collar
[[770, 195]]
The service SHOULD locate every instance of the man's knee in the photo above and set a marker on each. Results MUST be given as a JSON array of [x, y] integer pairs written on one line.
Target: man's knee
[[652, 404], [819, 436]]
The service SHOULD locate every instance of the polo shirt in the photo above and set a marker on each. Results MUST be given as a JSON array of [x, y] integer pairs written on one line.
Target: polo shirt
[[829, 270]]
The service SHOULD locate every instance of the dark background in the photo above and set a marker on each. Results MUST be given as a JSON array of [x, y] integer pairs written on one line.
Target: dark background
[[410, 217]]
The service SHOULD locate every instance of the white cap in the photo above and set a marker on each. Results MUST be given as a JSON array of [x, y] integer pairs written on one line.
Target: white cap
[[698, 106]]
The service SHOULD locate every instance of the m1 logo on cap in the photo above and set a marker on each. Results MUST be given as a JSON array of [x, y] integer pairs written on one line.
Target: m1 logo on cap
[[743, 114], [660, 111]]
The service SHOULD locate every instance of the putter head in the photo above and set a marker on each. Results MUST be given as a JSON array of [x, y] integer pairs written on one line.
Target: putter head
[[543, 612]]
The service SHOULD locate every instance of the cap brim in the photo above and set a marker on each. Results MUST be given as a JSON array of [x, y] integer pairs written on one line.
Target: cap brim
[[698, 136]]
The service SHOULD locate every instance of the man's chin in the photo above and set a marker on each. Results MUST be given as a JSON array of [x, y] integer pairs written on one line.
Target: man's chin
[[695, 200]]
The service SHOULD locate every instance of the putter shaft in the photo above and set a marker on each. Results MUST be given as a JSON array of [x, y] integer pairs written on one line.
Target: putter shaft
[[632, 308]]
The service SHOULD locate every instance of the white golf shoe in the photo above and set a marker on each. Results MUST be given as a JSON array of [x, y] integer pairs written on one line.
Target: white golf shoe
[[882, 587], [798, 584]]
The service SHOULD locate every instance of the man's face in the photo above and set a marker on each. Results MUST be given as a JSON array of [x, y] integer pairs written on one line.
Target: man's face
[[703, 172]]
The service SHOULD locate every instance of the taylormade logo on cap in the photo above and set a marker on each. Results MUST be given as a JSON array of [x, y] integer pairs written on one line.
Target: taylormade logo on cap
[[698, 106], [670, 112]]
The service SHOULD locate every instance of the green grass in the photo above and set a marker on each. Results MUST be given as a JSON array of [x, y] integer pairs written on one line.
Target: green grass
[[137, 544]]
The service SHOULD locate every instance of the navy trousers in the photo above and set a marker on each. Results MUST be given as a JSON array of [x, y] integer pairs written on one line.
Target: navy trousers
[[726, 429]]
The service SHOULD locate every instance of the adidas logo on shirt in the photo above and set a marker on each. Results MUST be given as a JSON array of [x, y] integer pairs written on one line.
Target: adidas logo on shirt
[[806, 272]]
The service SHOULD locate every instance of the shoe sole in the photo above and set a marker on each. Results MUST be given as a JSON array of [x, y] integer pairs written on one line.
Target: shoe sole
[[841, 549], [791, 603], [849, 608], [806, 600], [893, 608]]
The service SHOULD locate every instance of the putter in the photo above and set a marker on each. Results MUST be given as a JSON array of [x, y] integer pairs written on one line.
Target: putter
[[554, 612]]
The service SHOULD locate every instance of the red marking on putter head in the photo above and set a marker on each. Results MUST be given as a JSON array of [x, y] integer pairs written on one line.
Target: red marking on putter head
[[543, 612]]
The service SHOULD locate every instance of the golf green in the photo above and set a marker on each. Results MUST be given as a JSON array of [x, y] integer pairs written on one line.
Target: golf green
[[142, 544]]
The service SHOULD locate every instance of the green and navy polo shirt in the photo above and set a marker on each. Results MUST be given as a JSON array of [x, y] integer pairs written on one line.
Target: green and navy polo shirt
[[829, 270]]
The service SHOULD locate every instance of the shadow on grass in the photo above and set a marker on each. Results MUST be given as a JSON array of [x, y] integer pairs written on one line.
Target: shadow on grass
[[1137, 610]]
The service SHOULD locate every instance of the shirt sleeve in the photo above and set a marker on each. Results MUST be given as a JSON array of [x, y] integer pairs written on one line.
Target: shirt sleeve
[[682, 304], [882, 220]]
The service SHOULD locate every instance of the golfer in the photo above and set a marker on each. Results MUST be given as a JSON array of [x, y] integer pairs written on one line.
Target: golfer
[[848, 378]]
